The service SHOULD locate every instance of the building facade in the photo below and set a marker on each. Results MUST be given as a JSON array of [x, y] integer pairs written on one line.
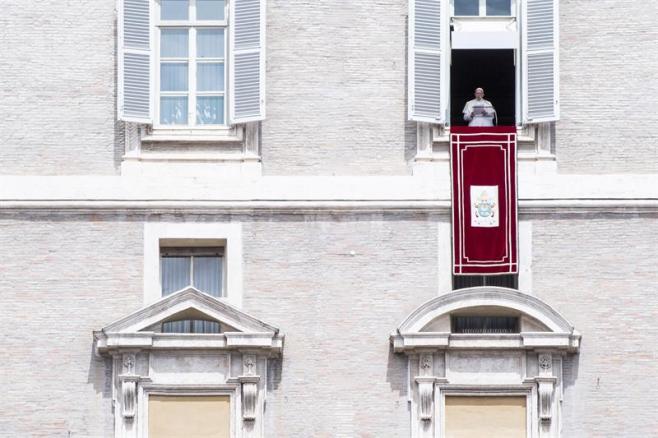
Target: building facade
[[241, 211]]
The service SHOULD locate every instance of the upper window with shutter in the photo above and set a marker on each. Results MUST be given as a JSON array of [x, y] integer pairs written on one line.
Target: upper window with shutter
[[191, 63], [508, 47]]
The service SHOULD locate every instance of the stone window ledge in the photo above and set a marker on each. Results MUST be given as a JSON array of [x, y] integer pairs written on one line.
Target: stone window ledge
[[197, 135]]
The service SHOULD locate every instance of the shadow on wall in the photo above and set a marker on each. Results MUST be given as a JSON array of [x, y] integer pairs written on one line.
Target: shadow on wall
[[396, 372], [100, 373], [410, 145], [274, 366], [119, 127]]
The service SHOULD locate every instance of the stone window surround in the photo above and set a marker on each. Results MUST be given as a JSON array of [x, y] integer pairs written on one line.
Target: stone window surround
[[441, 363], [230, 363], [228, 235]]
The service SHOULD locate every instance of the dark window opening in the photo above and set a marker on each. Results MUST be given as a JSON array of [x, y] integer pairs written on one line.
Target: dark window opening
[[485, 324], [191, 326], [493, 70], [464, 281]]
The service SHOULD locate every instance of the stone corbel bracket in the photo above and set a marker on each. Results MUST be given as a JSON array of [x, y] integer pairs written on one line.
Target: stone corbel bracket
[[249, 381], [546, 391], [249, 396], [425, 397], [129, 395], [546, 386]]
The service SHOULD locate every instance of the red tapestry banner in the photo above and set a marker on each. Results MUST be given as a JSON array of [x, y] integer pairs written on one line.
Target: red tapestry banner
[[484, 210]]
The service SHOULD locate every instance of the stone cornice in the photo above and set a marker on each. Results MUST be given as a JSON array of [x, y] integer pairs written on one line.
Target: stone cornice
[[616, 194]]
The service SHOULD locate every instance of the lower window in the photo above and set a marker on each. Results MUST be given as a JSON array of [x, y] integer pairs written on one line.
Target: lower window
[[188, 416], [199, 267], [481, 416]]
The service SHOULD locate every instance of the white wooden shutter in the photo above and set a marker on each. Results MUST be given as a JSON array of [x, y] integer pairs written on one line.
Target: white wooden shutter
[[427, 66], [134, 69], [247, 61], [540, 61]]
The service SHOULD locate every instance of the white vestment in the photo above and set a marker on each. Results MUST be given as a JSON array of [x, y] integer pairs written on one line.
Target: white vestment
[[485, 112]]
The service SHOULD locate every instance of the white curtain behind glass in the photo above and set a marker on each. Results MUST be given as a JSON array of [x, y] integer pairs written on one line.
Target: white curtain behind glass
[[202, 272]]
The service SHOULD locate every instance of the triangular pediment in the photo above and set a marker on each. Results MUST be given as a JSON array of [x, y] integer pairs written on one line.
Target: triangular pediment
[[189, 303], [238, 329]]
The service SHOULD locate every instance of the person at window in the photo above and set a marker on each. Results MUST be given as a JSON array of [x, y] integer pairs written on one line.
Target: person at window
[[478, 111]]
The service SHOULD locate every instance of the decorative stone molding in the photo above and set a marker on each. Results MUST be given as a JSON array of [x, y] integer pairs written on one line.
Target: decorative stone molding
[[148, 362], [546, 386], [425, 382], [249, 381], [410, 335], [518, 364], [426, 397], [249, 396], [129, 396], [545, 392], [545, 361]]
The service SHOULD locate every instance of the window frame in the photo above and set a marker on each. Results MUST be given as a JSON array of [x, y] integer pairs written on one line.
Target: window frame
[[193, 25], [193, 234], [482, 11], [192, 252]]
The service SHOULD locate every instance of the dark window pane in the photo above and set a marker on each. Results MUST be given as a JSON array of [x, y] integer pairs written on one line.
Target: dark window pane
[[191, 326], [464, 281], [499, 7], [485, 324], [467, 7]]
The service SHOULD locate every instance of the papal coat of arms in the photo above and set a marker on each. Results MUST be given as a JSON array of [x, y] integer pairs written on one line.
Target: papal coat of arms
[[484, 206]]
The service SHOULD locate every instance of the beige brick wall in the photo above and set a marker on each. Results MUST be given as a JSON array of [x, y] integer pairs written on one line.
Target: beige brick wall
[[62, 278], [609, 81], [600, 273], [339, 377], [57, 78], [336, 91]]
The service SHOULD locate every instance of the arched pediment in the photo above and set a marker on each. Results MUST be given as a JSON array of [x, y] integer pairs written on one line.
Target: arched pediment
[[544, 327], [135, 329]]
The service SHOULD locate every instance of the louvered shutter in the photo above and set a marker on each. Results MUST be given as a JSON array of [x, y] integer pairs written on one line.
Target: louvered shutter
[[134, 69], [247, 61], [540, 61], [427, 61]]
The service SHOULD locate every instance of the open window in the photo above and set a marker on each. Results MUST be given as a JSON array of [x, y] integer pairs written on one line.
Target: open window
[[485, 361], [507, 47], [181, 64], [170, 381]]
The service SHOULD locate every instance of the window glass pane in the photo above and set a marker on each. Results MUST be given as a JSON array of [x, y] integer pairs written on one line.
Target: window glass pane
[[485, 324], [191, 326], [175, 273], [210, 110], [210, 77], [499, 7], [208, 273], [173, 76], [467, 7], [182, 326], [210, 43], [209, 9], [173, 9], [173, 110], [173, 43]]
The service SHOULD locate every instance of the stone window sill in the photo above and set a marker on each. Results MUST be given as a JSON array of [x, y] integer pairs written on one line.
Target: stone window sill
[[196, 135]]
